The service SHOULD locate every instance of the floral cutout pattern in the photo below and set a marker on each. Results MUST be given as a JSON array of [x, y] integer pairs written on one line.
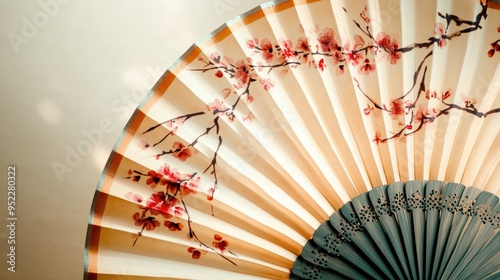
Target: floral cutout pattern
[[166, 205]]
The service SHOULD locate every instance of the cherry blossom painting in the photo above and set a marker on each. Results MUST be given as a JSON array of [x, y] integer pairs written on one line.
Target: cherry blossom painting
[[166, 206]]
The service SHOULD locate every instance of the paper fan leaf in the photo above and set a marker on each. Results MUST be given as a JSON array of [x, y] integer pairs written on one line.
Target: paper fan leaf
[[321, 120]]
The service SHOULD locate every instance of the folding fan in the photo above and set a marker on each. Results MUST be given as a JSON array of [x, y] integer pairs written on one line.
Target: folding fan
[[314, 140]]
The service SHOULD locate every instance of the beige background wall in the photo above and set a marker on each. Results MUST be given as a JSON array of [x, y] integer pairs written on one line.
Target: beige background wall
[[71, 72]]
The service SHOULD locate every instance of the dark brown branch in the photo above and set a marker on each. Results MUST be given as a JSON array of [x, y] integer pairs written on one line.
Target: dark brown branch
[[187, 116], [195, 141]]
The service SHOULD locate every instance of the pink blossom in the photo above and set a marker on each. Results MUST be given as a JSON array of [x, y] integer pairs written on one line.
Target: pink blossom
[[251, 43], [267, 49], [359, 42], [327, 41], [303, 45], [217, 107], [242, 72], [267, 83], [248, 118], [174, 124], [439, 30], [409, 104], [469, 101], [133, 197], [367, 110], [247, 99], [143, 145], [389, 46], [353, 56], [219, 60], [171, 174], [364, 16], [420, 114], [226, 92]]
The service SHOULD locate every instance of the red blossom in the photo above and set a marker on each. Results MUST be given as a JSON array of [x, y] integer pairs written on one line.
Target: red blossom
[[173, 226], [321, 64], [182, 153], [171, 174], [491, 52], [154, 178], [366, 68], [210, 195], [377, 138], [149, 223], [220, 243], [353, 56], [327, 41], [195, 253], [219, 74], [161, 203], [446, 95], [396, 109], [286, 46], [190, 187]]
